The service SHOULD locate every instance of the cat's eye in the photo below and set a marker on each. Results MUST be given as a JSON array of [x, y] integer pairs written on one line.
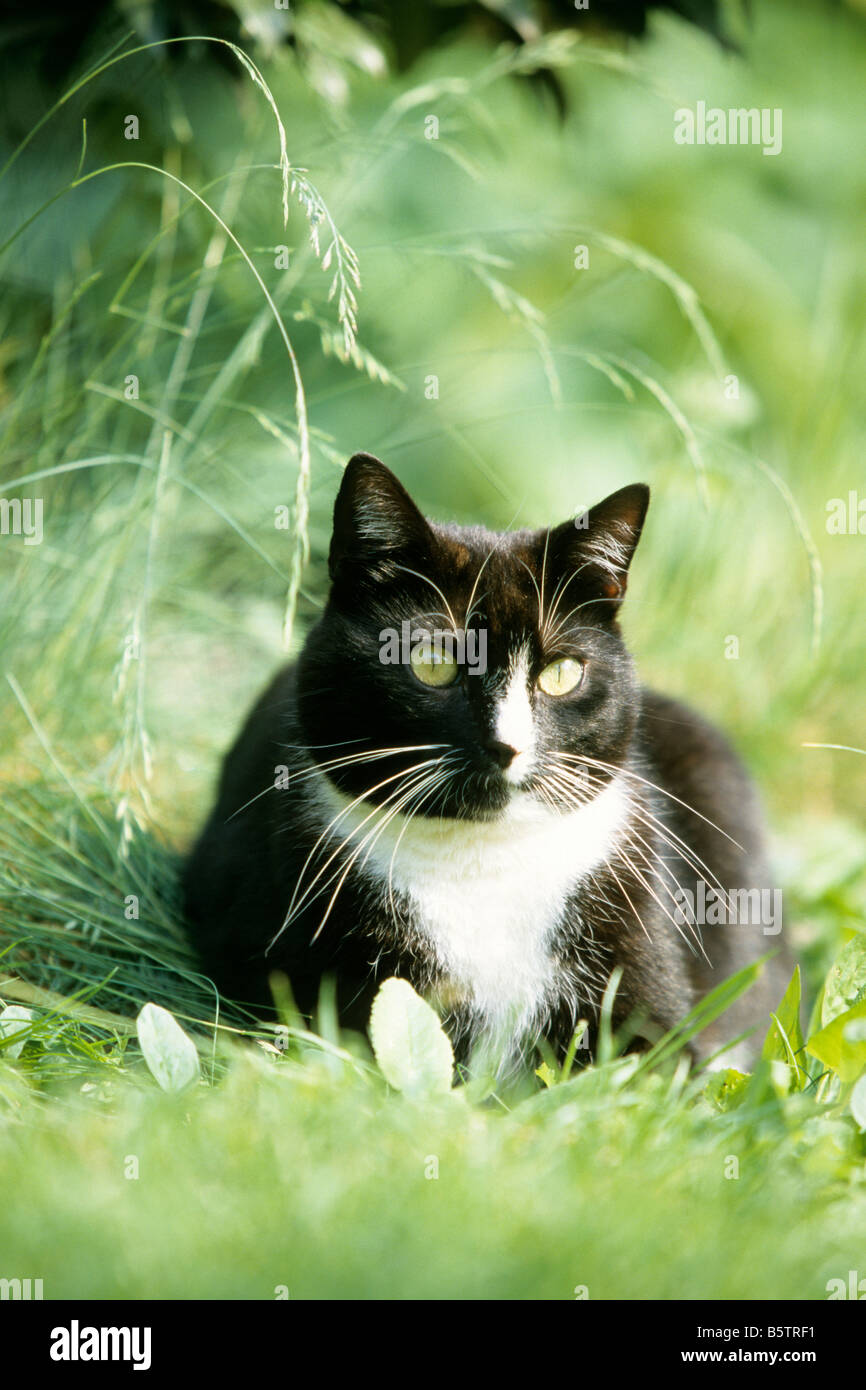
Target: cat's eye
[[561, 677], [433, 667]]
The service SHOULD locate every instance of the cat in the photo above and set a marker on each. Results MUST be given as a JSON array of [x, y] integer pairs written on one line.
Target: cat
[[503, 834]]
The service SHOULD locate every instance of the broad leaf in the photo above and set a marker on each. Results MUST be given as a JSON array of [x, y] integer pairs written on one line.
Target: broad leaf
[[14, 1019], [169, 1053], [412, 1050], [858, 1103], [846, 980], [842, 1044]]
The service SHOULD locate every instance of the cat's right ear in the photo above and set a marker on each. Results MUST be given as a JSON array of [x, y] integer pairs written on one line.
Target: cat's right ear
[[376, 524], [598, 545]]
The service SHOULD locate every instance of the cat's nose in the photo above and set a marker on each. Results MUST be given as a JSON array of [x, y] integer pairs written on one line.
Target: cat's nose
[[501, 753]]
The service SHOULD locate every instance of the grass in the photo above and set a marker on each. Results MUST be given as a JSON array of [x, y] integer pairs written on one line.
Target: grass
[[301, 1176], [185, 536]]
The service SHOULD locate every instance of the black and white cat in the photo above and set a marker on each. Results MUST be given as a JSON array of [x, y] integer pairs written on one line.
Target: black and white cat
[[503, 835]]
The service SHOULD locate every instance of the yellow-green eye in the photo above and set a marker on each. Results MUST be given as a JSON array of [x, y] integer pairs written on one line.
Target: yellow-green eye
[[560, 677], [433, 667]]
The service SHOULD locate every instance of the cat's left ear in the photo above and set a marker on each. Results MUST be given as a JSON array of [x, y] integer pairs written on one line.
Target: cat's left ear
[[598, 545]]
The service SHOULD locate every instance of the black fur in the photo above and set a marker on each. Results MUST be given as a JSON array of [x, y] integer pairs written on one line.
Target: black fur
[[388, 563]]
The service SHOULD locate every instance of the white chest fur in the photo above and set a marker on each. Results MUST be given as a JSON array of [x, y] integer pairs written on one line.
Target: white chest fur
[[489, 896]]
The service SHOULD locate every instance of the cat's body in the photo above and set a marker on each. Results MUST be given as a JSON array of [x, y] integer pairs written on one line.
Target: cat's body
[[501, 847]]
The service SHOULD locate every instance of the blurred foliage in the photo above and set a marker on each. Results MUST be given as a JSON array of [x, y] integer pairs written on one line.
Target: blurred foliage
[[58, 35], [554, 383]]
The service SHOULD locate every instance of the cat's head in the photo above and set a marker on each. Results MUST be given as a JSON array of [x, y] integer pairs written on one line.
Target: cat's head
[[458, 671]]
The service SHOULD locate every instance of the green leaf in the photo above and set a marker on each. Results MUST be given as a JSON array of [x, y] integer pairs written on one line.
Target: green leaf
[[14, 1019], [168, 1051], [727, 1089], [846, 980], [841, 1046], [858, 1103], [784, 1041], [412, 1050]]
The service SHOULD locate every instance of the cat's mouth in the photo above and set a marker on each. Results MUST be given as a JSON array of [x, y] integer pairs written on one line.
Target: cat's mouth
[[459, 785], [518, 771], [489, 793]]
